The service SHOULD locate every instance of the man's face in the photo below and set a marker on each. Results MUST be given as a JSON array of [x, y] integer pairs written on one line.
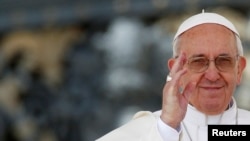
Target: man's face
[[214, 87]]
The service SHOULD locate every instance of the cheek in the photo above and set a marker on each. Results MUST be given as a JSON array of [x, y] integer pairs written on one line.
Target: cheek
[[190, 77], [231, 80], [232, 84], [238, 78]]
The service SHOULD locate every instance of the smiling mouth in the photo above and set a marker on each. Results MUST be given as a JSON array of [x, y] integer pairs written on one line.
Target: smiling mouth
[[212, 88]]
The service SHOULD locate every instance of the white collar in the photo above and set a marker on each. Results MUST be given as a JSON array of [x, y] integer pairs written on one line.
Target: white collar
[[196, 117]]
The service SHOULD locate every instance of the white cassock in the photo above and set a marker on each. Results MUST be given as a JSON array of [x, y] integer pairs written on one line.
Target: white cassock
[[147, 126]]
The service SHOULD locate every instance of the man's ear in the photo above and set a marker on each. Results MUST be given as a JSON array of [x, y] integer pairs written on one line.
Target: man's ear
[[171, 63], [241, 67]]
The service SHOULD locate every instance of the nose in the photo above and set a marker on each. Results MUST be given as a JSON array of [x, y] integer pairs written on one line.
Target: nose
[[212, 72]]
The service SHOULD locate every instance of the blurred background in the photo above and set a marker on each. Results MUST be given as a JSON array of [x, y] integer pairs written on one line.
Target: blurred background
[[74, 70]]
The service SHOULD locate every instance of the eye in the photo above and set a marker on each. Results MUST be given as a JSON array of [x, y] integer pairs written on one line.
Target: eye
[[224, 61], [198, 61], [198, 64]]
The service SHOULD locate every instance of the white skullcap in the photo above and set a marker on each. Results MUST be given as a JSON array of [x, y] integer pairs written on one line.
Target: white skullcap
[[203, 18]]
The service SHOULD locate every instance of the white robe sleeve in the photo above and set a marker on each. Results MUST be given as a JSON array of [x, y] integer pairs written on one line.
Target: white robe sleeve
[[166, 132]]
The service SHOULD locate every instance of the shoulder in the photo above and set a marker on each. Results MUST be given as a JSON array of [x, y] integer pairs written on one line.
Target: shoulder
[[141, 124], [244, 112], [244, 116], [147, 114]]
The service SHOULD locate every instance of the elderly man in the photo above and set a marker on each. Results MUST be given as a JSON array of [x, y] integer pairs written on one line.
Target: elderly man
[[205, 69]]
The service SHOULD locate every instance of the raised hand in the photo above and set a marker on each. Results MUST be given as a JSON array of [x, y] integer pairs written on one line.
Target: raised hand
[[175, 96]]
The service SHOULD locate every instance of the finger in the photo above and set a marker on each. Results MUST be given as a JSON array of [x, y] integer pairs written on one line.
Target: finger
[[189, 89], [184, 98], [178, 76], [173, 85], [178, 65]]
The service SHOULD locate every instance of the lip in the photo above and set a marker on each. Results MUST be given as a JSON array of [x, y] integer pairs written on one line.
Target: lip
[[211, 88]]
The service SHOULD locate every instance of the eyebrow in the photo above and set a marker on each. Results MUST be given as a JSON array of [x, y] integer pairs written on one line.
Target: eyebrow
[[202, 55], [197, 55]]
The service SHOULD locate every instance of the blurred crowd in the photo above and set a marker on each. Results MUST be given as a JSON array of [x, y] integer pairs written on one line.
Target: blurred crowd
[[79, 82]]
